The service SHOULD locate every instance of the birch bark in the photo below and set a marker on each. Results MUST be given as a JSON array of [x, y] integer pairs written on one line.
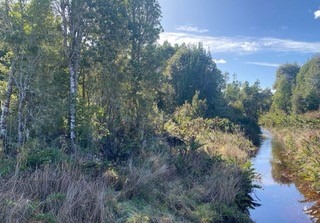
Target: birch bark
[[6, 104], [72, 29]]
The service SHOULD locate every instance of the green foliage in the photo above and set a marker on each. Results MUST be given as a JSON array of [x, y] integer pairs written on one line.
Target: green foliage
[[191, 69], [250, 128], [246, 104], [306, 93], [36, 157], [230, 214], [130, 96], [215, 135], [244, 198], [282, 120], [7, 166], [47, 218], [285, 82], [191, 111], [206, 213], [250, 101]]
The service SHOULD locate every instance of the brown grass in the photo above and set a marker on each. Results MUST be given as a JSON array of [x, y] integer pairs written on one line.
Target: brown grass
[[57, 194], [156, 186], [312, 115], [302, 147]]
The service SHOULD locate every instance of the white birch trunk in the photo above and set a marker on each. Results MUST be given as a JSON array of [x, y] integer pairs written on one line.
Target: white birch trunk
[[73, 96], [20, 119], [72, 26], [6, 104]]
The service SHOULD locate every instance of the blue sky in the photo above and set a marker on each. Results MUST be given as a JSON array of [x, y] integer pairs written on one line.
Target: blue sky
[[249, 38]]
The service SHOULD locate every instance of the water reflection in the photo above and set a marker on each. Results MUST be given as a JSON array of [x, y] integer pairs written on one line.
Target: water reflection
[[280, 199], [311, 196], [282, 175]]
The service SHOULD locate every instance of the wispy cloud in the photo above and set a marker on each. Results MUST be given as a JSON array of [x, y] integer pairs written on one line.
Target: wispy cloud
[[241, 45], [317, 14], [190, 28], [216, 44], [265, 64], [219, 61]]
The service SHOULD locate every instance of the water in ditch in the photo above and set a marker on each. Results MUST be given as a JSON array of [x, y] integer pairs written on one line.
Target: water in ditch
[[281, 199]]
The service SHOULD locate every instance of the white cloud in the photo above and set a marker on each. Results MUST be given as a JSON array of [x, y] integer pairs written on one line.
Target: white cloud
[[286, 45], [216, 44], [317, 14], [250, 46], [241, 45], [265, 64], [192, 29], [219, 61]]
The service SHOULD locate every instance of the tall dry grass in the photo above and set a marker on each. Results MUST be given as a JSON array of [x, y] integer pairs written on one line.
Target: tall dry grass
[[300, 135], [55, 194], [302, 148], [158, 185], [211, 140]]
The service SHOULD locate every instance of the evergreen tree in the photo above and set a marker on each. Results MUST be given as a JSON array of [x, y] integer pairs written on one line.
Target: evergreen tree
[[306, 95], [192, 69], [284, 85]]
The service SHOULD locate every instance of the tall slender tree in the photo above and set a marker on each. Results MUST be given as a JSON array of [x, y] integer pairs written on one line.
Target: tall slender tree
[[72, 14], [7, 33], [144, 28]]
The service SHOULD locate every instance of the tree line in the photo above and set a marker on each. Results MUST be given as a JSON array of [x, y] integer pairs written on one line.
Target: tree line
[[92, 105], [89, 75], [297, 89]]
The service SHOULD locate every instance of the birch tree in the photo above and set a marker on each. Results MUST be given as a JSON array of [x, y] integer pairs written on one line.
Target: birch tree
[[18, 31], [72, 14], [27, 28], [7, 32]]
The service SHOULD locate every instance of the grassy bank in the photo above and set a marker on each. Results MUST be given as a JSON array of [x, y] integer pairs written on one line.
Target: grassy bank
[[156, 186], [300, 135], [198, 171]]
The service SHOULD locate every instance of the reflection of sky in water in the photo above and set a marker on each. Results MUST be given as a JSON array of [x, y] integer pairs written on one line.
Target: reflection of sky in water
[[279, 202]]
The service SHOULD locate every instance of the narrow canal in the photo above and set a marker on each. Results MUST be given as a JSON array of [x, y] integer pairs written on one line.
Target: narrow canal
[[280, 199]]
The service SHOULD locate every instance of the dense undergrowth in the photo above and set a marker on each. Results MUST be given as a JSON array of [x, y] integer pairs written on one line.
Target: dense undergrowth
[[158, 189], [198, 171], [300, 135], [158, 185]]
